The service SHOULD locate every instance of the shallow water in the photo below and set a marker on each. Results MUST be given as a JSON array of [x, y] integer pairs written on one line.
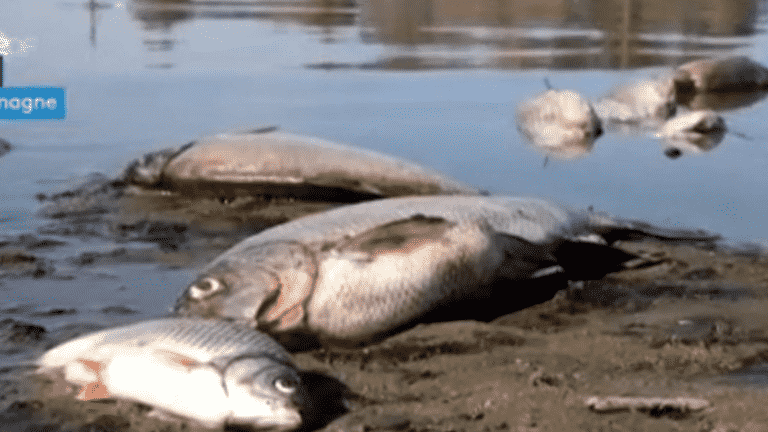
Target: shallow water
[[140, 78]]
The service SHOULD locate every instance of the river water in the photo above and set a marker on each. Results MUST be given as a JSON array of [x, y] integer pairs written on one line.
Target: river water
[[432, 82], [435, 82]]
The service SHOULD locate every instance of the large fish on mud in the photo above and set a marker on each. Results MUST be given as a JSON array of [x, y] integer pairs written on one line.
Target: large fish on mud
[[270, 162], [210, 371], [355, 273]]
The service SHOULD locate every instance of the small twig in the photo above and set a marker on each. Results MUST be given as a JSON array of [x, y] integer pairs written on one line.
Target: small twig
[[743, 136], [616, 403]]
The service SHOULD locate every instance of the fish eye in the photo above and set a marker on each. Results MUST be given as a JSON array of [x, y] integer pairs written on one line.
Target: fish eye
[[205, 288], [285, 385]]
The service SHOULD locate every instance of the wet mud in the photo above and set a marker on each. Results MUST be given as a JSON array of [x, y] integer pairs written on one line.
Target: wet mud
[[689, 325]]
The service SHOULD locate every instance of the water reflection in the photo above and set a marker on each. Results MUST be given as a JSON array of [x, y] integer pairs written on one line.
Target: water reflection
[[94, 7], [506, 34], [321, 13], [692, 133], [723, 101]]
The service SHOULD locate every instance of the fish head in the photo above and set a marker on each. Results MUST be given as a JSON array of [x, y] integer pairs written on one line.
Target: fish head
[[267, 284], [265, 392], [228, 290]]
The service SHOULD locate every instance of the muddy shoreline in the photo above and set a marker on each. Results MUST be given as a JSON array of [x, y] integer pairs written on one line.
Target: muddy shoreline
[[683, 327]]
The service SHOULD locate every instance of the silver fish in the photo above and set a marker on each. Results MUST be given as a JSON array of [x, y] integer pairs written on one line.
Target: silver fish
[[561, 123], [267, 161], [356, 272], [211, 371], [647, 100], [692, 132]]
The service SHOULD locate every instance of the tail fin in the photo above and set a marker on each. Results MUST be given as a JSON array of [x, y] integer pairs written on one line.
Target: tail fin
[[614, 229]]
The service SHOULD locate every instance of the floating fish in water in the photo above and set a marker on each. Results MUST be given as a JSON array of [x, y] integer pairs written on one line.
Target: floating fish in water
[[210, 371], [269, 162], [641, 101], [354, 273], [561, 123], [737, 73], [692, 132]]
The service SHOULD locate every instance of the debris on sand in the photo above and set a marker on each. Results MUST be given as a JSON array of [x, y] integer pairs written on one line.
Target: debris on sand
[[653, 405]]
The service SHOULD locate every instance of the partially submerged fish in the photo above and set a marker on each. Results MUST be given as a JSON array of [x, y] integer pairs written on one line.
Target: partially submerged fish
[[559, 122], [692, 132], [738, 73], [352, 274], [269, 162], [213, 372], [645, 100]]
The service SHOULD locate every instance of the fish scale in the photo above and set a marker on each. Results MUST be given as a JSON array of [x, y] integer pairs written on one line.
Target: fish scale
[[382, 264], [269, 160], [214, 372], [205, 340], [534, 219]]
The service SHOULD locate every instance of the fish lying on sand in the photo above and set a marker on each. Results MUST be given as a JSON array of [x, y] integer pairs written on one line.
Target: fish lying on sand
[[354, 273], [269, 162], [210, 371]]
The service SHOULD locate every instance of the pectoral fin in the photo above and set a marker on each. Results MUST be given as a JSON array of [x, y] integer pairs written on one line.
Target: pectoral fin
[[93, 365], [96, 389], [92, 391]]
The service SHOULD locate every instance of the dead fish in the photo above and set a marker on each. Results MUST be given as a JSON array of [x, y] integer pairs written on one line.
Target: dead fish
[[737, 73], [559, 122], [351, 274], [648, 99], [210, 371], [269, 162], [692, 132]]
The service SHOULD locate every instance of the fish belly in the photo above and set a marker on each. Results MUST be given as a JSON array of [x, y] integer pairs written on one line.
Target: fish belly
[[194, 393]]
